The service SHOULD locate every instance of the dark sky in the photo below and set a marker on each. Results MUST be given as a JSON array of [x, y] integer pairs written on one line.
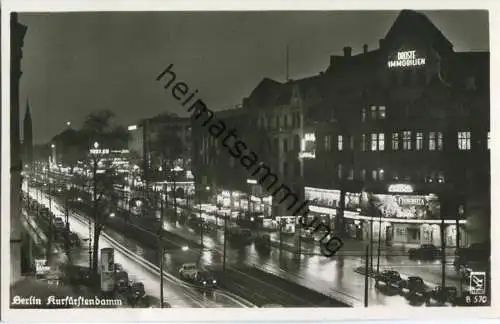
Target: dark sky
[[75, 63]]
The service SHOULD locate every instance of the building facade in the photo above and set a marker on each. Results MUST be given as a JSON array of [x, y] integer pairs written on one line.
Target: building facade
[[392, 140], [409, 133]]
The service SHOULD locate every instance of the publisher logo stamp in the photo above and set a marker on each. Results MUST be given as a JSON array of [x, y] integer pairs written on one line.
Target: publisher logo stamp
[[477, 283]]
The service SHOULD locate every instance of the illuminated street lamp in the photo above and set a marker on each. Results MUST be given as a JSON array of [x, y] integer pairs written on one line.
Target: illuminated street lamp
[[96, 145], [68, 123]]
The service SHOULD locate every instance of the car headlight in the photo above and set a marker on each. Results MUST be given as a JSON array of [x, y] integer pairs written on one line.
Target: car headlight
[[204, 282], [214, 281]]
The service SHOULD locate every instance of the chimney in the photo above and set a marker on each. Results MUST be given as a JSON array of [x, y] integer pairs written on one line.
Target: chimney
[[381, 43], [365, 48], [347, 51]]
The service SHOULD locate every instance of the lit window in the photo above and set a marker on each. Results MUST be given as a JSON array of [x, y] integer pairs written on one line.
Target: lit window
[[363, 174], [351, 174], [374, 174], [381, 112], [432, 141], [440, 177], [420, 141], [374, 112], [463, 140], [374, 141], [328, 143], [381, 141], [339, 171], [340, 142], [407, 140], [381, 175], [395, 141], [363, 142], [439, 141], [363, 114]]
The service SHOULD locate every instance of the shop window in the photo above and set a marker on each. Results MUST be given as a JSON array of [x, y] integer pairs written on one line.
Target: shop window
[[373, 110], [328, 142], [463, 140], [363, 142], [419, 144], [439, 146], [285, 145], [340, 142], [395, 141], [407, 140]]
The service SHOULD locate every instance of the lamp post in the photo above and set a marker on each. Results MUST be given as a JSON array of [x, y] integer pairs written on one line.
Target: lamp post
[[49, 240], [379, 238], [66, 214], [174, 176]]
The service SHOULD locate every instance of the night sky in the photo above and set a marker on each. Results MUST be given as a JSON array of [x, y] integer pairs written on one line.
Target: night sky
[[75, 63]]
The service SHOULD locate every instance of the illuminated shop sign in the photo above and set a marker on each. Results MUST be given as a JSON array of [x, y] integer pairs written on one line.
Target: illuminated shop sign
[[400, 188], [407, 58], [412, 201], [99, 151], [308, 146]]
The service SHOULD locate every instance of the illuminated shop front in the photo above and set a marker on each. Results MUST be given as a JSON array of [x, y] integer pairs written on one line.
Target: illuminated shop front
[[404, 217], [322, 204], [238, 201]]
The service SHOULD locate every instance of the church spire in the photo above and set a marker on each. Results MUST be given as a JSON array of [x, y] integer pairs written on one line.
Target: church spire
[[27, 114]]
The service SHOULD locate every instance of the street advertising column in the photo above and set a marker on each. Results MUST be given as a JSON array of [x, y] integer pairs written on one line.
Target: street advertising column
[[107, 269]]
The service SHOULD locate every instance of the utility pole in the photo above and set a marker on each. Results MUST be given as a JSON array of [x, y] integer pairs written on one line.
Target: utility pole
[[371, 243], [379, 239], [225, 244], [160, 248], [366, 276], [49, 241], [443, 253]]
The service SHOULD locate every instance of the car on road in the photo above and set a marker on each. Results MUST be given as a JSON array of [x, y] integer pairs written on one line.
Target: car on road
[[424, 252], [440, 296], [205, 280], [122, 282], [188, 271], [137, 289], [389, 278], [74, 240], [59, 223], [263, 243], [414, 287]]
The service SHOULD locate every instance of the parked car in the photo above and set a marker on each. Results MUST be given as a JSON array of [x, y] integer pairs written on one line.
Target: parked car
[[205, 280], [424, 252], [440, 295], [122, 282], [263, 243], [413, 284], [137, 290], [188, 271], [389, 278]]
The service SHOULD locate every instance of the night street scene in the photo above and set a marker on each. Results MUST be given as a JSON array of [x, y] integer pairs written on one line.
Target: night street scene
[[250, 159]]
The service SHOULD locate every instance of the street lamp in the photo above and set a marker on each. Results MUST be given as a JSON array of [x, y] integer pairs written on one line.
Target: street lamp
[[68, 123], [162, 257], [66, 214]]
